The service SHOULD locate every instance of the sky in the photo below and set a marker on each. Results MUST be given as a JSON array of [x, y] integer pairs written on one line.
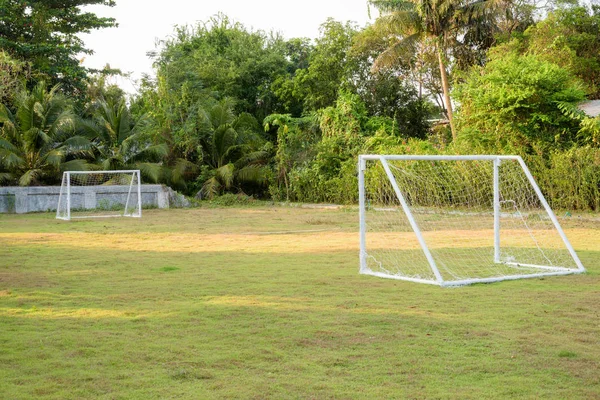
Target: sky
[[143, 22]]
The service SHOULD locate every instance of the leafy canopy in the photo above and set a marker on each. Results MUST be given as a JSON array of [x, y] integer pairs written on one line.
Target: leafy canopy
[[43, 33], [39, 141], [512, 104]]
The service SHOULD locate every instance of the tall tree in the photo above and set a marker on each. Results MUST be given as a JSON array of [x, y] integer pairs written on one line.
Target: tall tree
[[43, 33], [233, 150], [120, 142], [227, 60], [13, 74], [38, 142], [441, 22], [318, 84]]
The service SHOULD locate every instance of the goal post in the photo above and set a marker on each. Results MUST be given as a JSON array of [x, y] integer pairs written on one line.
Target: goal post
[[100, 194], [457, 220]]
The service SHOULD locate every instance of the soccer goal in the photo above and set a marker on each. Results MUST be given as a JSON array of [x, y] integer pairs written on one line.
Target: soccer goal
[[100, 194], [457, 220]]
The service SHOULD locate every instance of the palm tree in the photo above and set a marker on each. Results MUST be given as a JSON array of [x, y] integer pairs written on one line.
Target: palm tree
[[120, 142], [38, 142], [416, 22], [232, 149]]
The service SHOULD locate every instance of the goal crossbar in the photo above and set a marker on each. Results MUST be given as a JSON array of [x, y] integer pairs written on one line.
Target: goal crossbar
[[505, 182]]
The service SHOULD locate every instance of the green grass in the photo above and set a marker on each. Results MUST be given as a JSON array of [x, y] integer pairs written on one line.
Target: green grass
[[268, 303]]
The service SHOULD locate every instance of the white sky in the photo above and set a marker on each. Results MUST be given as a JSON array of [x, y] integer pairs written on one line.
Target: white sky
[[142, 22]]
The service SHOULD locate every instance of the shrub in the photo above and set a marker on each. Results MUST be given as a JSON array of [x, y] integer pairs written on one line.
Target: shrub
[[511, 105]]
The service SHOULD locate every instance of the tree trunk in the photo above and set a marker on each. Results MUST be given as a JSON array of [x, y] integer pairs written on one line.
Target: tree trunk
[[446, 89]]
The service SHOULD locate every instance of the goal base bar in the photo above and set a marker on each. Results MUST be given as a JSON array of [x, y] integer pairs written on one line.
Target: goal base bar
[[105, 216], [470, 281]]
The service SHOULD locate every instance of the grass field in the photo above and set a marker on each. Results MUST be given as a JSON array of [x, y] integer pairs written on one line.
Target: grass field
[[267, 302]]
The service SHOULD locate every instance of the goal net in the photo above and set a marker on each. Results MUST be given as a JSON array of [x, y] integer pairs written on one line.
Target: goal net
[[98, 194], [456, 220]]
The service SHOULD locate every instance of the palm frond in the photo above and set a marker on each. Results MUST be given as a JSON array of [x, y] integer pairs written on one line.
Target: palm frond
[[8, 146], [181, 168], [6, 177], [76, 165], [211, 188], [76, 144], [54, 157], [225, 175], [252, 174], [11, 160], [63, 125], [222, 113], [154, 152], [386, 6], [88, 128], [6, 117], [401, 49], [246, 121], [30, 176], [255, 157], [150, 171], [123, 129]]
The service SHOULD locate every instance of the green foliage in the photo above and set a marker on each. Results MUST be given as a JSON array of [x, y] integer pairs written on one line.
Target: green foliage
[[44, 34], [571, 178], [317, 85], [13, 76], [224, 59], [99, 87], [120, 142], [395, 100], [330, 176], [316, 156], [296, 147], [569, 37], [511, 105], [416, 29], [589, 128], [39, 141], [234, 151]]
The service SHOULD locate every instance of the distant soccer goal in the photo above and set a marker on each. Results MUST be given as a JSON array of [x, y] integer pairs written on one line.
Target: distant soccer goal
[[100, 194], [457, 220]]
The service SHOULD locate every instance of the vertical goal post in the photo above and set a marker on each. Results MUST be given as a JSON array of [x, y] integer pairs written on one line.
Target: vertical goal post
[[457, 220], [100, 194]]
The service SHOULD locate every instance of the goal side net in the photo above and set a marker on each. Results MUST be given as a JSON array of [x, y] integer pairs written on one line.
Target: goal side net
[[457, 220], [99, 194]]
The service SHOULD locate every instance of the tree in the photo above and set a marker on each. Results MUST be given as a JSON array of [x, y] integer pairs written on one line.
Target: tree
[[394, 91], [442, 22], [120, 142], [317, 86], [43, 33], [512, 105], [225, 59], [13, 75], [569, 37], [234, 154], [38, 142]]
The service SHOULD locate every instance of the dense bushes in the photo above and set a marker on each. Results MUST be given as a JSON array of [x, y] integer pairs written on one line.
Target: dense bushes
[[570, 179], [197, 126], [511, 105]]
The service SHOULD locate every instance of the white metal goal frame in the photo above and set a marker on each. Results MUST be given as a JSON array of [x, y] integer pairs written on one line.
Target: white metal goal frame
[[496, 160], [65, 201]]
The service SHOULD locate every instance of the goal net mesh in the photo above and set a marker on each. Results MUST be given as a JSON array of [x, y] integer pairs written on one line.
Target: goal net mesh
[[452, 202], [99, 194]]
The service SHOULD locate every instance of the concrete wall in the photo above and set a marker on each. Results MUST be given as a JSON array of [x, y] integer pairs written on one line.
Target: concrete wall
[[45, 198]]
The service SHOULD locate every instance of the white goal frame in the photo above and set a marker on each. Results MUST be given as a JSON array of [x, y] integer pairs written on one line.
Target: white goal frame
[[404, 207], [133, 198]]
